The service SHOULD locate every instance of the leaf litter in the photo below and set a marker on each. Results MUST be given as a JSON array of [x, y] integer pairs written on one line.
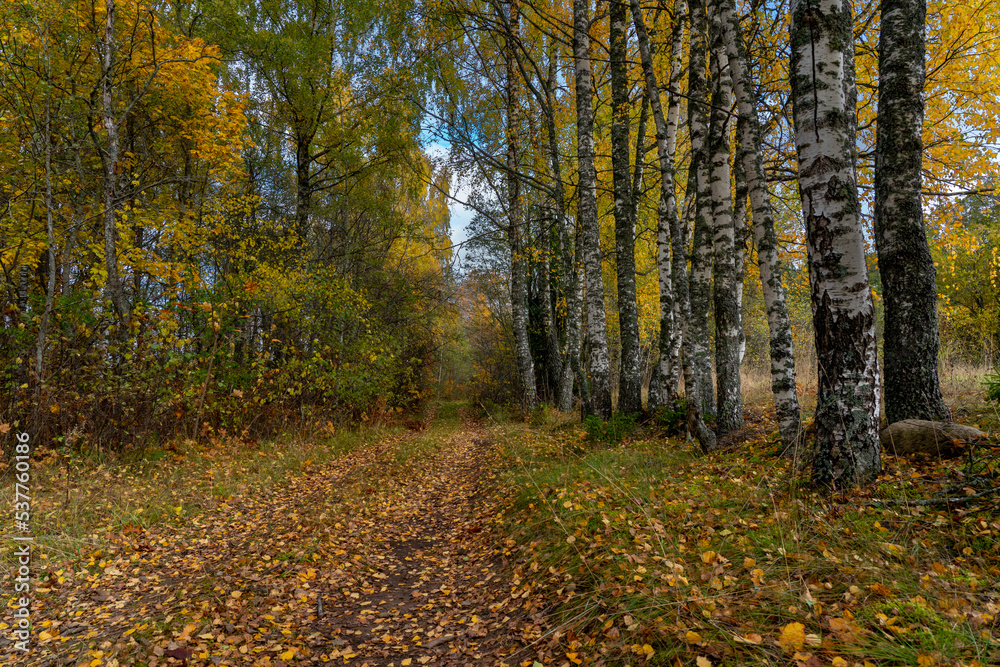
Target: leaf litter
[[377, 558]]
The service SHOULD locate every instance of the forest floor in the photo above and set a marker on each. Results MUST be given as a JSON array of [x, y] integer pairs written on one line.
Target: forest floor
[[491, 542], [383, 556]]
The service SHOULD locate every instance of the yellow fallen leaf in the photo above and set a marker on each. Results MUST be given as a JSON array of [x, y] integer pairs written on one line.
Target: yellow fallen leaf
[[289, 654], [792, 636], [752, 638], [703, 661], [406, 661], [839, 662], [692, 637]]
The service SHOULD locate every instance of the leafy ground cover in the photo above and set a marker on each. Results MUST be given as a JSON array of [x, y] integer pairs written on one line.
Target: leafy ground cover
[[372, 550], [654, 554], [485, 542]]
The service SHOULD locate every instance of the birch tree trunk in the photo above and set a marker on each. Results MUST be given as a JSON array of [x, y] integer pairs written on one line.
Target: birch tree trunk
[[50, 287], [630, 376], [741, 193], [666, 139], [779, 328], [600, 384], [728, 324], [113, 287], [548, 313], [847, 443], [570, 276], [515, 230], [698, 182], [663, 385], [908, 276]]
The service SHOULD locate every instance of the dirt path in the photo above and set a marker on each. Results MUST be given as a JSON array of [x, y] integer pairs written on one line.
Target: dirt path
[[383, 558]]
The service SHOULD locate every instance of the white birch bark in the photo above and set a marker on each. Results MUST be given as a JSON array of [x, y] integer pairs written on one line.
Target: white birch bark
[[663, 385], [779, 327], [630, 370], [599, 371], [847, 408], [515, 232], [700, 280], [728, 324], [669, 220], [113, 286]]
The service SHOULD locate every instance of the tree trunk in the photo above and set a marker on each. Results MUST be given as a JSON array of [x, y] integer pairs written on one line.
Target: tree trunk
[[303, 184], [50, 287], [630, 376], [548, 313], [909, 284], [847, 443], [666, 136], [600, 383], [728, 324], [663, 385], [113, 287], [515, 231], [570, 277], [741, 192], [779, 328], [700, 281]]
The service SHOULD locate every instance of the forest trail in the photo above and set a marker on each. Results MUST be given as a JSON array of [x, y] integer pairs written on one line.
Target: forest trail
[[383, 557]]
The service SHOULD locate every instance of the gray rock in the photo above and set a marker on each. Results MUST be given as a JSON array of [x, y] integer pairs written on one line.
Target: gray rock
[[919, 436]]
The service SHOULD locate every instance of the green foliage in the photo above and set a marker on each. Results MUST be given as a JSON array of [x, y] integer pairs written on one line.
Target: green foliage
[[992, 385], [672, 419], [612, 431]]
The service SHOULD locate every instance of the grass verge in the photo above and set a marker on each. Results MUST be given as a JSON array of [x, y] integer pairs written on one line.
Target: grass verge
[[651, 553]]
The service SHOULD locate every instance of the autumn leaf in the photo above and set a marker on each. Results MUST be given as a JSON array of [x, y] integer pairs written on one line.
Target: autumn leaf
[[793, 636]]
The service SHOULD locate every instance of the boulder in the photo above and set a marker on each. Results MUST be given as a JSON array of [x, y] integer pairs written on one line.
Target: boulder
[[919, 436]]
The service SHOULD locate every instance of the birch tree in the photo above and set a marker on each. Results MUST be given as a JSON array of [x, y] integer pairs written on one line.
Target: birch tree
[[699, 187], [516, 224], [847, 443], [630, 376], [728, 325], [779, 328], [110, 162], [590, 237], [663, 384], [669, 221], [904, 258]]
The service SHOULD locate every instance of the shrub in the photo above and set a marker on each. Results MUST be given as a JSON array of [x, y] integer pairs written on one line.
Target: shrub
[[612, 431]]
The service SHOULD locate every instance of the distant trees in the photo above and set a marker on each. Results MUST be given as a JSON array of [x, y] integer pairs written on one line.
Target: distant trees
[[176, 256]]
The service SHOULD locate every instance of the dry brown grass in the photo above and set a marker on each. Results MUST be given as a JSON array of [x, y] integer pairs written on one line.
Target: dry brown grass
[[961, 384]]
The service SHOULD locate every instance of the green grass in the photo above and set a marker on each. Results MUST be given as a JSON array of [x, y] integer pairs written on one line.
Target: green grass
[[659, 541]]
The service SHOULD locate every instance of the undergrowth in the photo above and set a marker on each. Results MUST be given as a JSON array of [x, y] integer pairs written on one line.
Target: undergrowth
[[652, 553]]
